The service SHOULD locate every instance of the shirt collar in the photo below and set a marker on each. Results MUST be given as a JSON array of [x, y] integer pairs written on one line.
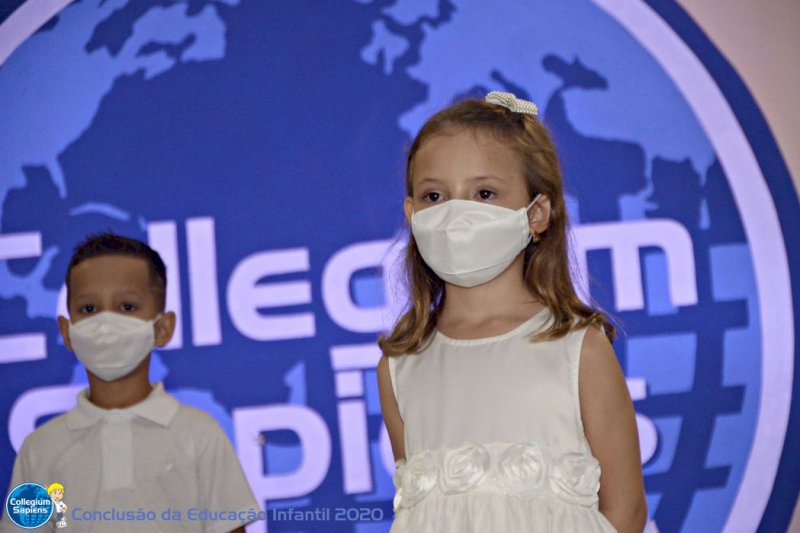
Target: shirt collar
[[159, 407]]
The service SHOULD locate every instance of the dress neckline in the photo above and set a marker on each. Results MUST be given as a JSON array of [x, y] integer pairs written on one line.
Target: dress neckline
[[533, 323]]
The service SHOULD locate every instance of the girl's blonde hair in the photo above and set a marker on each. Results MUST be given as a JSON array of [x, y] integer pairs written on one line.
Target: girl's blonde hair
[[546, 263]]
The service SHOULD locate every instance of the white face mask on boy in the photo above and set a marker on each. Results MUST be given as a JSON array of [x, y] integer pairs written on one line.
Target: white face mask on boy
[[111, 345], [467, 242]]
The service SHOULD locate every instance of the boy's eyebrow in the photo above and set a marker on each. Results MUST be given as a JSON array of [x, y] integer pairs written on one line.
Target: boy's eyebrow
[[135, 293], [122, 292], [81, 295], [134, 289]]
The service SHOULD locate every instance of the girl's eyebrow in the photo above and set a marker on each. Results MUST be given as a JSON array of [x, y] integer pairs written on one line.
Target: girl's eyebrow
[[487, 177], [482, 177]]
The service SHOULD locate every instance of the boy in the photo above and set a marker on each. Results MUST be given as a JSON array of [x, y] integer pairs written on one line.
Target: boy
[[128, 445]]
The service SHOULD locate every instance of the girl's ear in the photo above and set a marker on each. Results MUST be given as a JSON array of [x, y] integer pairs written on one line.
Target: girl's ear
[[408, 208], [165, 327], [539, 215]]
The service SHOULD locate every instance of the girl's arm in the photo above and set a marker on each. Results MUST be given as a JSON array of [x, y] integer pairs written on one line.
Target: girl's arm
[[610, 425], [390, 410]]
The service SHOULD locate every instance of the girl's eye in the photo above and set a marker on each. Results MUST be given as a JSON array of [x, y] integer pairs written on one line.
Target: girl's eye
[[87, 309], [128, 307], [432, 196], [486, 195]]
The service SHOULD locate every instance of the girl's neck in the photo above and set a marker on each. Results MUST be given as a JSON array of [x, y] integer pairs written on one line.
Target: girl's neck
[[503, 301]]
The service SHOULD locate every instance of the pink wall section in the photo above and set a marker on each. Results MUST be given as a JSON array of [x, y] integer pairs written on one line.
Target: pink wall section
[[761, 41]]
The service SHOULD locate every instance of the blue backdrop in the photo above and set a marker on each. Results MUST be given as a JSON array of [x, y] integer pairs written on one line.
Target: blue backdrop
[[259, 146]]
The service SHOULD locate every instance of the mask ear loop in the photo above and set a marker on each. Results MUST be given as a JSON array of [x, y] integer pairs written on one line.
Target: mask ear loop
[[535, 199], [534, 236]]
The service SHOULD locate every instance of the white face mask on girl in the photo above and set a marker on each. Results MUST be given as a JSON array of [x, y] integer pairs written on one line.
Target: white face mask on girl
[[468, 243], [111, 345]]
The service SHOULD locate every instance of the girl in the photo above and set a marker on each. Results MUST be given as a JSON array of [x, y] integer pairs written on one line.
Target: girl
[[500, 391]]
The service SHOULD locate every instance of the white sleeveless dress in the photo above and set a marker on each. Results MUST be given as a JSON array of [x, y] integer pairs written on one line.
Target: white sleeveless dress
[[493, 436]]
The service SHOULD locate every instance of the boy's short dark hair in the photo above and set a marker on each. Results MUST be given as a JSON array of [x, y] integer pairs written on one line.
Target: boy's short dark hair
[[112, 244]]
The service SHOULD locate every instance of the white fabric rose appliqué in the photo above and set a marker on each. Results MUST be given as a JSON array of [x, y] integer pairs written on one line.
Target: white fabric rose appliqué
[[414, 479], [463, 468], [525, 470], [522, 470], [576, 479]]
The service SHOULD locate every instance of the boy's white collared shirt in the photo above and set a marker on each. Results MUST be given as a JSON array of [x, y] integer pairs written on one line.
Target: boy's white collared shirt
[[159, 407], [116, 444], [155, 455]]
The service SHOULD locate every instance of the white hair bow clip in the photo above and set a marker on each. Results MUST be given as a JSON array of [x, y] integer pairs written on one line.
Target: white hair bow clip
[[513, 103]]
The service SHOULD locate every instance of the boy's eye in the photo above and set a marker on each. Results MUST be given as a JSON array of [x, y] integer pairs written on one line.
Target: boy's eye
[[87, 309], [486, 195], [432, 196], [128, 307]]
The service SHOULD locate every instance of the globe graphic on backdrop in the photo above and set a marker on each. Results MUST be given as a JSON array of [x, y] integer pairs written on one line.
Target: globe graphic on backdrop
[[169, 111]]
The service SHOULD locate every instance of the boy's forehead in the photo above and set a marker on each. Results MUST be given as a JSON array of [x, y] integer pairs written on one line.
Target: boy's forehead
[[110, 270]]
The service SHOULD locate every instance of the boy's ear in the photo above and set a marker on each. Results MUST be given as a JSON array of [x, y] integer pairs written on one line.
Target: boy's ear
[[164, 328], [408, 208], [539, 215], [63, 327]]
